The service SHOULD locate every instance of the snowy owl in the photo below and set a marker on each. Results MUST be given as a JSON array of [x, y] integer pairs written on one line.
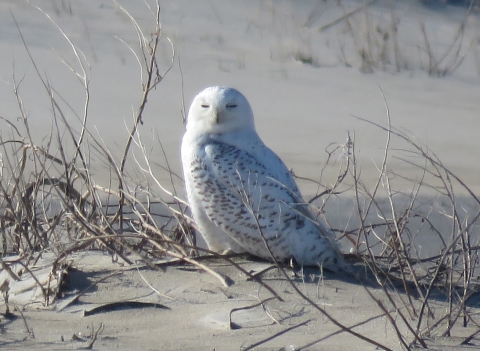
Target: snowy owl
[[242, 196]]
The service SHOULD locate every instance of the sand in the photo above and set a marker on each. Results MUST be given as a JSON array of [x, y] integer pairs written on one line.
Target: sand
[[189, 309], [305, 87], [251, 46]]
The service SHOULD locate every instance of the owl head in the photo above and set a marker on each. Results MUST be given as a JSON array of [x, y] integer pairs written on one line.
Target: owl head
[[219, 110]]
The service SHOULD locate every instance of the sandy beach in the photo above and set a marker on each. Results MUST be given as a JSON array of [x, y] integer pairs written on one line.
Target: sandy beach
[[300, 64], [187, 309]]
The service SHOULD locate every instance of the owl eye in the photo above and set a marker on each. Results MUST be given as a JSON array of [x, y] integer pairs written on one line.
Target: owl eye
[[231, 105], [205, 105]]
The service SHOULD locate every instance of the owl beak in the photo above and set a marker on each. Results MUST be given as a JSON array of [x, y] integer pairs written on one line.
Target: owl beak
[[216, 115]]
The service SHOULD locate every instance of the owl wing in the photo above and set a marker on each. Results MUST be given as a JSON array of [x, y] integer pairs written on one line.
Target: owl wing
[[252, 198]]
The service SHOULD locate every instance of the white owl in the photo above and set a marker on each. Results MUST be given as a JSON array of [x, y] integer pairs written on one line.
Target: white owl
[[242, 196]]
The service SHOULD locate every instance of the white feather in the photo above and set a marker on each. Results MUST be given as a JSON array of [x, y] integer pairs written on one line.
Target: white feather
[[242, 196]]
